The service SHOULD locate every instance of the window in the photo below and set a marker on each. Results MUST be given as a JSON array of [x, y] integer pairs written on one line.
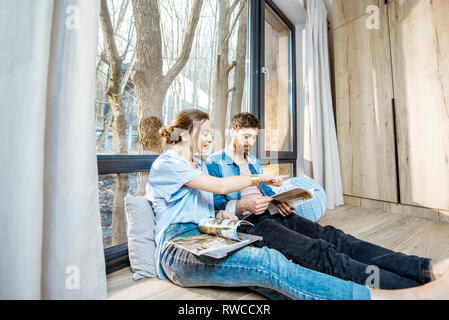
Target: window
[[212, 78], [278, 113], [114, 227], [149, 69], [275, 88]]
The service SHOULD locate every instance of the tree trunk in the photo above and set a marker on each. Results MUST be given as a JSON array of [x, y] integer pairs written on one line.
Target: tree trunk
[[240, 68], [118, 210], [106, 125], [119, 125], [223, 68], [150, 82]]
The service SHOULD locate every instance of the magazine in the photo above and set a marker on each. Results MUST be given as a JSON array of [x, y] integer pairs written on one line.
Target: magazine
[[218, 238], [296, 197]]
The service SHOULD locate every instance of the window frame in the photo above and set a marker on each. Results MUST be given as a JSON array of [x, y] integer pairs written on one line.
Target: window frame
[[257, 34], [116, 257]]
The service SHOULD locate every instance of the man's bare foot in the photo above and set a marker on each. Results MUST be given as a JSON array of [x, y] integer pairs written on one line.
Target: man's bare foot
[[439, 268]]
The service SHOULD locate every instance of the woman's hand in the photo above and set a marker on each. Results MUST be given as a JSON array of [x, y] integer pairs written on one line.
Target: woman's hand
[[272, 180], [226, 215]]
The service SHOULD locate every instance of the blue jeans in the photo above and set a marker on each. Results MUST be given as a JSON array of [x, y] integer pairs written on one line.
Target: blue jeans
[[331, 251], [261, 269]]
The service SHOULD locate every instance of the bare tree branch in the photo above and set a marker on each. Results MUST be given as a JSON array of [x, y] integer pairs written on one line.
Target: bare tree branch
[[229, 67], [130, 31], [187, 45], [115, 78], [128, 71], [233, 5], [121, 15], [236, 18], [232, 89]]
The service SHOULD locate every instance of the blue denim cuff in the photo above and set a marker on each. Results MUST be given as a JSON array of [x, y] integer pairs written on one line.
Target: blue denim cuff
[[361, 292], [426, 271]]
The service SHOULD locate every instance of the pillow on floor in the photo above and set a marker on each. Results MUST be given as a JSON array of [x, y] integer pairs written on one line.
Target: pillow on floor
[[140, 231]]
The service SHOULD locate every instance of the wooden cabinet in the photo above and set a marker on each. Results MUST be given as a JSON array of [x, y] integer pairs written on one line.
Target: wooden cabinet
[[363, 96], [420, 56], [407, 59]]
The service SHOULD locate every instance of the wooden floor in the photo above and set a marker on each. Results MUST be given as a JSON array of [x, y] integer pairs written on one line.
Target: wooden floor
[[407, 234]]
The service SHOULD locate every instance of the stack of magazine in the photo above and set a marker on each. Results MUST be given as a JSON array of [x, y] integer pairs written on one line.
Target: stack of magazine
[[218, 238]]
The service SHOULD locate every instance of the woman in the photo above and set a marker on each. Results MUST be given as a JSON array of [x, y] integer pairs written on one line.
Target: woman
[[181, 193]]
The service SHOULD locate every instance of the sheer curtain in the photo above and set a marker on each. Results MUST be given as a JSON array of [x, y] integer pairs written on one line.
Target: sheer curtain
[[50, 228], [321, 140]]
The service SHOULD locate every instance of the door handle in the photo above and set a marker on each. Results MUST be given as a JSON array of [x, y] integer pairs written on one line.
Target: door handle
[[266, 72]]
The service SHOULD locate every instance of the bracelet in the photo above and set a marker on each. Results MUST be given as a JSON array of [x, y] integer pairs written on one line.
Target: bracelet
[[255, 179]]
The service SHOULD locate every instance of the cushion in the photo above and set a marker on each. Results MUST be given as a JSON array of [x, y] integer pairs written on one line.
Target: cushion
[[140, 231], [312, 210]]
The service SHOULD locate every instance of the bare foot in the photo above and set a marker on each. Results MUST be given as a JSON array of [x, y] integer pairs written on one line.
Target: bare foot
[[439, 268], [435, 290]]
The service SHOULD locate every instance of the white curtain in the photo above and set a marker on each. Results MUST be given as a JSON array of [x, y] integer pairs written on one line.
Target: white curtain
[[50, 230], [320, 133]]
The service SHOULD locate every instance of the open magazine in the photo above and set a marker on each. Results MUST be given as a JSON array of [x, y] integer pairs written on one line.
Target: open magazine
[[296, 197], [217, 239]]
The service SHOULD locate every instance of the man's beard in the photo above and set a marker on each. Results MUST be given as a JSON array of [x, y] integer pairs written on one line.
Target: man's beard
[[242, 149]]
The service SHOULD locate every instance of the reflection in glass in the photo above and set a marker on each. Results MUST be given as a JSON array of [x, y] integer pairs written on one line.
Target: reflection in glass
[[279, 169], [278, 84]]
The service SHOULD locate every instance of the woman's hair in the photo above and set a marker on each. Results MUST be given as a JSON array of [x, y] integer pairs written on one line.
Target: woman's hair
[[184, 120]]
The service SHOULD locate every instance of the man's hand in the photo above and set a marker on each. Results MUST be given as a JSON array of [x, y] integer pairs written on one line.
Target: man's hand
[[285, 209], [226, 215], [255, 204]]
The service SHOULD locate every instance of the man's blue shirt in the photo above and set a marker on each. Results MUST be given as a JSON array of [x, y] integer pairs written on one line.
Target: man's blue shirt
[[220, 164]]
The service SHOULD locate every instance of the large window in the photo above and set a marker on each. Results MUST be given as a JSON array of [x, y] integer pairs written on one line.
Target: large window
[[160, 57], [161, 72], [275, 89]]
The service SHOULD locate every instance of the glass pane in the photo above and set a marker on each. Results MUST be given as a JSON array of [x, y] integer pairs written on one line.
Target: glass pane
[[112, 209], [279, 169], [213, 78], [278, 84]]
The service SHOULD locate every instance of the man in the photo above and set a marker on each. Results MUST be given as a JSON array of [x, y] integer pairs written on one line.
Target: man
[[324, 249]]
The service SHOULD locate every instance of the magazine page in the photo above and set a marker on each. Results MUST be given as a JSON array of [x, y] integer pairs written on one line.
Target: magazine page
[[203, 243], [295, 197], [222, 227]]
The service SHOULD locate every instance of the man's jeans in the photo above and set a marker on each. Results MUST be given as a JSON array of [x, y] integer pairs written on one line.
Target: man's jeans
[[261, 269], [331, 251]]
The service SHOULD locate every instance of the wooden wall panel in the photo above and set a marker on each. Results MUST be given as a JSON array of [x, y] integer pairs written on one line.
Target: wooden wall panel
[[363, 90], [420, 56], [344, 11]]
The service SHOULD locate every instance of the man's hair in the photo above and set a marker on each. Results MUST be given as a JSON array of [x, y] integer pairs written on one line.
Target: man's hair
[[244, 120]]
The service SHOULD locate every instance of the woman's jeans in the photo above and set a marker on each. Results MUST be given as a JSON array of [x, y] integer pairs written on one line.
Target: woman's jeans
[[262, 269], [331, 251]]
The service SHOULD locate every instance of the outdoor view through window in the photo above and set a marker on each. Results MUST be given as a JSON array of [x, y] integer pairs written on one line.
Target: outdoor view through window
[[154, 59]]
